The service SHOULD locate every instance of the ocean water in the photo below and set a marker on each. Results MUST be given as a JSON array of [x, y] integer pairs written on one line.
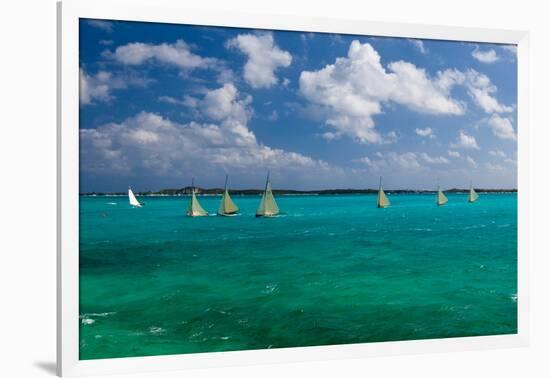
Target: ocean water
[[331, 270]]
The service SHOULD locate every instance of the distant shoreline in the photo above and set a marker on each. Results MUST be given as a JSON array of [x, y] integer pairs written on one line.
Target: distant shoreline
[[219, 191]]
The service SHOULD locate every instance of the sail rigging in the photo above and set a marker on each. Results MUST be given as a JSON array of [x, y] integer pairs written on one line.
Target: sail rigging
[[472, 196], [441, 198], [195, 209], [132, 198], [227, 206], [268, 207], [382, 200]]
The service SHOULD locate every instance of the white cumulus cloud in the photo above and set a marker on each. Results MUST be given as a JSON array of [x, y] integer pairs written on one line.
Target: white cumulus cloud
[[99, 87], [498, 153], [482, 91], [178, 54], [465, 141], [427, 132], [94, 87], [471, 162], [502, 127], [353, 89], [330, 135], [479, 87], [419, 45], [486, 56], [405, 161], [434, 159], [104, 25], [264, 58], [150, 144]]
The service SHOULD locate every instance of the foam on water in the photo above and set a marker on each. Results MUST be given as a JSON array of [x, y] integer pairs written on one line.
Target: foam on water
[[156, 330]]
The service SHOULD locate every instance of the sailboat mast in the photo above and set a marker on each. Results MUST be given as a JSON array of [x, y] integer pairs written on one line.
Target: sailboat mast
[[266, 182], [380, 184], [225, 187], [437, 194]]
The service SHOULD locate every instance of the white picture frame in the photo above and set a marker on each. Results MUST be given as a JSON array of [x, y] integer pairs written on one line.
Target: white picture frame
[[69, 13]]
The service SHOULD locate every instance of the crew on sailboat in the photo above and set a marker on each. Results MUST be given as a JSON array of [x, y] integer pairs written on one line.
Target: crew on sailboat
[[440, 198], [268, 207], [472, 196], [195, 209], [227, 206], [132, 198], [382, 200]]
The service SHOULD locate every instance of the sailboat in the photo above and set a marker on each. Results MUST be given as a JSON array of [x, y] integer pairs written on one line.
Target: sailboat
[[382, 200], [472, 196], [268, 207], [132, 198], [227, 206], [440, 197], [195, 209]]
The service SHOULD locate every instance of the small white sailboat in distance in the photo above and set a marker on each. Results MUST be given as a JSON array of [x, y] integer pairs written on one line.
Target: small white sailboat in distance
[[472, 196], [227, 206], [132, 198], [195, 209], [441, 199], [382, 200], [268, 207]]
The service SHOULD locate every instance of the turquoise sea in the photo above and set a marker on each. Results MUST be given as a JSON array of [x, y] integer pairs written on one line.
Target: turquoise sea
[[331, 270]]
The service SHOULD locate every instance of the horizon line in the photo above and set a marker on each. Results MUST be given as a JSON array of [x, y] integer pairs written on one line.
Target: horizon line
[[300, 190]]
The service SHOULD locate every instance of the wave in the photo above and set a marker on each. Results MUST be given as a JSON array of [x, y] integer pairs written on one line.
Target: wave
[[88, 318], [474, 226], [96, 314], [220, 338], [270, 288], [156, 330]]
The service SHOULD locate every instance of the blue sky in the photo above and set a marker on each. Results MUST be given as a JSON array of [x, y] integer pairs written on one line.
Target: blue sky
[[160, 104]]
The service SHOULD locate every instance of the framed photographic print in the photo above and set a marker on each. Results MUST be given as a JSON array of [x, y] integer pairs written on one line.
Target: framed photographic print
[[239, 188]]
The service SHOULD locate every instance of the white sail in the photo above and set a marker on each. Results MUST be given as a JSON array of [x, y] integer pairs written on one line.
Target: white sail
[[227, 206], [132, 198], [382, 200], [472, 196], [195, 209], [441, 198], [268, 207]]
